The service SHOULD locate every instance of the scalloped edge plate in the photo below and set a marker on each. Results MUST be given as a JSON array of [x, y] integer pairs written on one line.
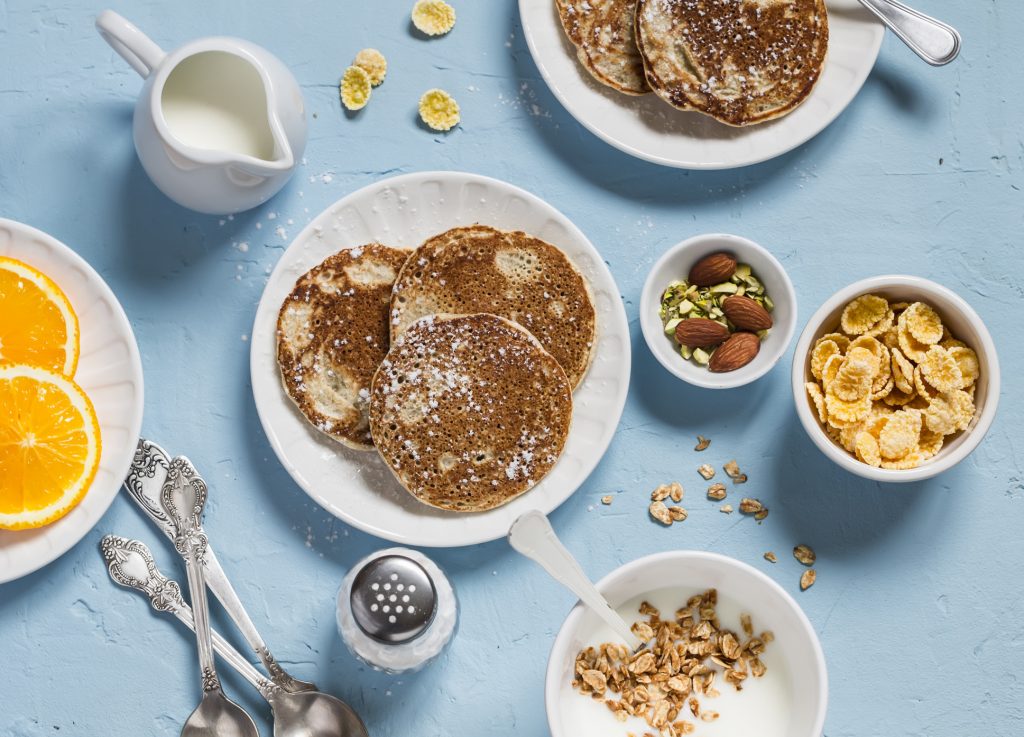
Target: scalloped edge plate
[[110, 372], [403, 211]]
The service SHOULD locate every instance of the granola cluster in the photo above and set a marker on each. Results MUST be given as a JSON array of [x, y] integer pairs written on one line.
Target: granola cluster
[[664, 682]]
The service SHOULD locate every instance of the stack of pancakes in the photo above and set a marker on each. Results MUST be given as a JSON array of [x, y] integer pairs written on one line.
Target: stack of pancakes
[[739, 61], [456, 361]]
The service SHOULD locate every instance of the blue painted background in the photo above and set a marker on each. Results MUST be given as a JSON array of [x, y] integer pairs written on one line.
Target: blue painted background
[[919, 600]]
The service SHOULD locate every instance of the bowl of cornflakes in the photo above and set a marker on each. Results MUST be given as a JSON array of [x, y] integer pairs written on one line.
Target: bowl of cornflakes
[[896, 378]]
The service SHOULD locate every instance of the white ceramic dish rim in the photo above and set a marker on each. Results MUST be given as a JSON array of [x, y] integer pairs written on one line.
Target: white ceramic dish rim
[[578, 109], [458, 535], [653, 329], [99, 498], [943, 462], [560, 647]]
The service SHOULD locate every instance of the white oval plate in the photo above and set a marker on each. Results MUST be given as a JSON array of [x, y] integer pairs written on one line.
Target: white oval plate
[[648, 128], [357, 487], [110, 372]]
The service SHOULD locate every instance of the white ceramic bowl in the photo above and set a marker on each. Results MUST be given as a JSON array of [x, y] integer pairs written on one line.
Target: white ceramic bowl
[[963, 323], [675, 264], [795, 644]]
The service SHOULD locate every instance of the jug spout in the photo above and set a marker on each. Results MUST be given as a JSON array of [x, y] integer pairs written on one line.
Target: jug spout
[[250, 171]]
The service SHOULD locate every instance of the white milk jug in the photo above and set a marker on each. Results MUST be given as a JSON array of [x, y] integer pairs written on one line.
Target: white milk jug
[[220, 122]]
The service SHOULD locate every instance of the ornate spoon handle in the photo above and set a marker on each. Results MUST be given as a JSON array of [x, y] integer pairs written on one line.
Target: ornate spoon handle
[[131, 564], [936, 42], [144, 485], [183, 497]]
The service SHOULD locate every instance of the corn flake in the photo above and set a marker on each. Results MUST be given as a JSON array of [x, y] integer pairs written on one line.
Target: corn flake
[[924, 389], [823, 350], [930, 443], [967, 360], [439, 110], [863, 313], [842, 412], [902, 371], [941, 370], [433, 17], [838, 338], [900, 434], [866, 449], [373, 63], [818, 398], [355, 88], [831, 370], [923, 323], [912, 348]]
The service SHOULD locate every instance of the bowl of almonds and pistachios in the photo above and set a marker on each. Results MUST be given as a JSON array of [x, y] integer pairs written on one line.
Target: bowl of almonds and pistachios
[[718, 311]]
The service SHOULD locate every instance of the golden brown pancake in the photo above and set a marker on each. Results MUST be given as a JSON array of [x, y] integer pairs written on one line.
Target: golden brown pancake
[[510, 274], [469, 411], [332, 334], [741, 62], [605, 39]]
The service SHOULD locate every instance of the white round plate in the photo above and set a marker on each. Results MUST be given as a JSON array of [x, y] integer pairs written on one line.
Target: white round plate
[[650, 129], [110, 372], [404, 211]]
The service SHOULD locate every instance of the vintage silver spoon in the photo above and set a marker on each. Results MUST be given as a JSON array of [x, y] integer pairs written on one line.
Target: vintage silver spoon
[[936, 42], [183, 497], [532, 536], [303, 714], [144, 481]]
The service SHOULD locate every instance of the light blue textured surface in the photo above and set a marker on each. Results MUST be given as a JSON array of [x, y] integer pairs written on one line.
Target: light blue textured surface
[[919, 600]]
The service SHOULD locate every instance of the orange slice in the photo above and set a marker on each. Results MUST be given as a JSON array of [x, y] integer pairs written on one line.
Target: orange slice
[[37, 325], [49, 446]]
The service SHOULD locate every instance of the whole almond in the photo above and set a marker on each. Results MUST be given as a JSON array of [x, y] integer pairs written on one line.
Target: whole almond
[[699, 332], [746, 314], [737, 352], [712, 270]]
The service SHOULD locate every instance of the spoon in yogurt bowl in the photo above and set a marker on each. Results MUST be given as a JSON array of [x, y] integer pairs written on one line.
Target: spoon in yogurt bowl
[[296, 714], [532, 536]]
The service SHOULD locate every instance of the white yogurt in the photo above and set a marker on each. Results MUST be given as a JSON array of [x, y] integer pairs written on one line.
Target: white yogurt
[[761, 708]]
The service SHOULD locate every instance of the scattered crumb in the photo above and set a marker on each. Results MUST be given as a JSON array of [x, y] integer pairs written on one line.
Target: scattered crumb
[[607, 499], [770, 557], [706, 471], [807, 580], [725, 509], [702, 443], [751, 506], [717, 492], [805, 554]]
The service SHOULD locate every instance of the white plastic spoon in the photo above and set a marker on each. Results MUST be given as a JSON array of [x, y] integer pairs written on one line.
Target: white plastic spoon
[[532, 536]]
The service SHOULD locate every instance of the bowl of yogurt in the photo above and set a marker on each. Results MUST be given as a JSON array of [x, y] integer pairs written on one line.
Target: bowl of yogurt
[[783, 694]]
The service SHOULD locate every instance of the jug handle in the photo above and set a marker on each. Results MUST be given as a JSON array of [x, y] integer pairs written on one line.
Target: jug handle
[[134, 46]]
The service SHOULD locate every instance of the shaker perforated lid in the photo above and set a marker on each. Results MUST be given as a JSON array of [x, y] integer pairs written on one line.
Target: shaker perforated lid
[[393, 599]]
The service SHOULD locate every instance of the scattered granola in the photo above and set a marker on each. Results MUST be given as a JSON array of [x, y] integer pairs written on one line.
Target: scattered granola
[[660, 512], [706, 471], [674, 491], [770, 557], [688, 653], [761, 515], [702, 443], [607, 499], [717, 492], [732, 470], [807, 580], [750, 506], [678, 513], [804, 554]]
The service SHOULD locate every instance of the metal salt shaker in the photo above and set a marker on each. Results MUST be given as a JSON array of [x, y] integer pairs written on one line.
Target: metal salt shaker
[[397, 611]]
